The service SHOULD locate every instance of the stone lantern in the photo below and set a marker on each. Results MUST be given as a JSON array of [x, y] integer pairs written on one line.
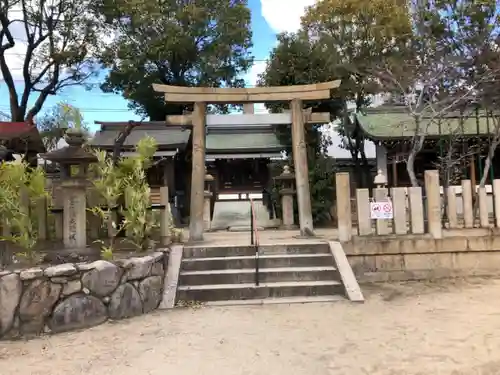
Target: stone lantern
[[74, 189], [207, 200], [287, 190], [380, 179]]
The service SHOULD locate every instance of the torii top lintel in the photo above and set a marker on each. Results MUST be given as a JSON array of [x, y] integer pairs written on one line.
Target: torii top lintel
[[180, 94]]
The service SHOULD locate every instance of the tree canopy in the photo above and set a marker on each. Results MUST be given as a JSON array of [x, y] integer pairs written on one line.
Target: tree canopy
[[46, 46], [53, 123], [435, 56], [187, 43]]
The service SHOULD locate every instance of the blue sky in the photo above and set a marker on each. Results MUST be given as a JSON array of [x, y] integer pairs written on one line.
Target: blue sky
[[267, 20]]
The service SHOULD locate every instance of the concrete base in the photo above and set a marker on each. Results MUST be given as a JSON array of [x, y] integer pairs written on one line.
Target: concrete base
[[276, 301], [288, 227]]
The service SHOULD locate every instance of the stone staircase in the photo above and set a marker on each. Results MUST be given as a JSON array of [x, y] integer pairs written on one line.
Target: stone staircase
[[287, 273]]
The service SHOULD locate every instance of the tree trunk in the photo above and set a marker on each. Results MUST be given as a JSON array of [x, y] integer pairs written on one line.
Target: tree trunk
[[417, 143]]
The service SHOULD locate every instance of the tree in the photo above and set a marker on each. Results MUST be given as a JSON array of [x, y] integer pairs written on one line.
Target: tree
[[442, 69], [352, 34], [187, 43], [337, 40], [56, 121], [56, 44], [295, 61]]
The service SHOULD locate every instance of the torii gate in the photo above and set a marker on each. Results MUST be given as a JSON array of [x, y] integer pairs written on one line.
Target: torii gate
[[201, 96]]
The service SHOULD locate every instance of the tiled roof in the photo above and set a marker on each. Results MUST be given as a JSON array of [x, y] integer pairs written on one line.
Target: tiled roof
[[166, 137], [243, 142], [393, 123]]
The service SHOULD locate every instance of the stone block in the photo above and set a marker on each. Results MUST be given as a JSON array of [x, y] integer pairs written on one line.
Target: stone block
[[72, 287], [66, 269], [103, 278], [31, 273], [10, 294], [36, 304], [138, 268], [151, 290], [125, 302], [450, 244], [158, 269], [76, 312]]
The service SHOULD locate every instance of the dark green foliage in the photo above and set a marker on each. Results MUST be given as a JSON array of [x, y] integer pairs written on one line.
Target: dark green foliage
[[184, 43]]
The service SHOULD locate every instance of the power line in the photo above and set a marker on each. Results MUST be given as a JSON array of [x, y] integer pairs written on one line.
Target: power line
[[83, 109]]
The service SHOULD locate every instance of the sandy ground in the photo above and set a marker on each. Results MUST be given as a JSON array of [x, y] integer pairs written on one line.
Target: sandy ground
[[429, 329]]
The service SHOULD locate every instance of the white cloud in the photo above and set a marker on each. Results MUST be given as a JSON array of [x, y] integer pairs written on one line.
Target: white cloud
[[284, 15], [15, 56], [252, 76]]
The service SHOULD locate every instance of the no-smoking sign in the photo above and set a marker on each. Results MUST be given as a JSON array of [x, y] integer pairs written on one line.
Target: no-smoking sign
[[381, 210]]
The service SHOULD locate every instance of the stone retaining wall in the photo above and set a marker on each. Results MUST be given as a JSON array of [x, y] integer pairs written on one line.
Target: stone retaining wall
[[400, 258], [73, 296]]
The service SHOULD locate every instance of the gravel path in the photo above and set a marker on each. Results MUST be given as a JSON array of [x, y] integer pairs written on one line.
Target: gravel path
[[438, 329]]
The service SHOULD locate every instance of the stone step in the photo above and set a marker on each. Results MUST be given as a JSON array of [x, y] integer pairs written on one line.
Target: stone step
[[278, 301], [244, 228], [266, 275], [265, 261], [224, 251], [226, 292]]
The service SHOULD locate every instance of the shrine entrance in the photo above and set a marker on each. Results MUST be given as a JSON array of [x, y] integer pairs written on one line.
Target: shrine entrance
[[199, 120]]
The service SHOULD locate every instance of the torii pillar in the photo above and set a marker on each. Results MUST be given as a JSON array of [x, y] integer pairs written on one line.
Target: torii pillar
[[201, 96], [196, 224]]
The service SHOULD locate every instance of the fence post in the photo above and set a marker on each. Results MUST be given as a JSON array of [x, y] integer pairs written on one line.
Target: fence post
[[344, 215], [468, 210], [363, 210], [416, 210], [496, 198], [484, 219], [398, 196], [451, 209], [433, 202]]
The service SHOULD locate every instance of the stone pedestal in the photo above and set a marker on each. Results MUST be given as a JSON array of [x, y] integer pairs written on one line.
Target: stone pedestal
[[206, 210], [286, 179], [74, 216], [41, 211], [287, 209], [94, 221], [58, 197]]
